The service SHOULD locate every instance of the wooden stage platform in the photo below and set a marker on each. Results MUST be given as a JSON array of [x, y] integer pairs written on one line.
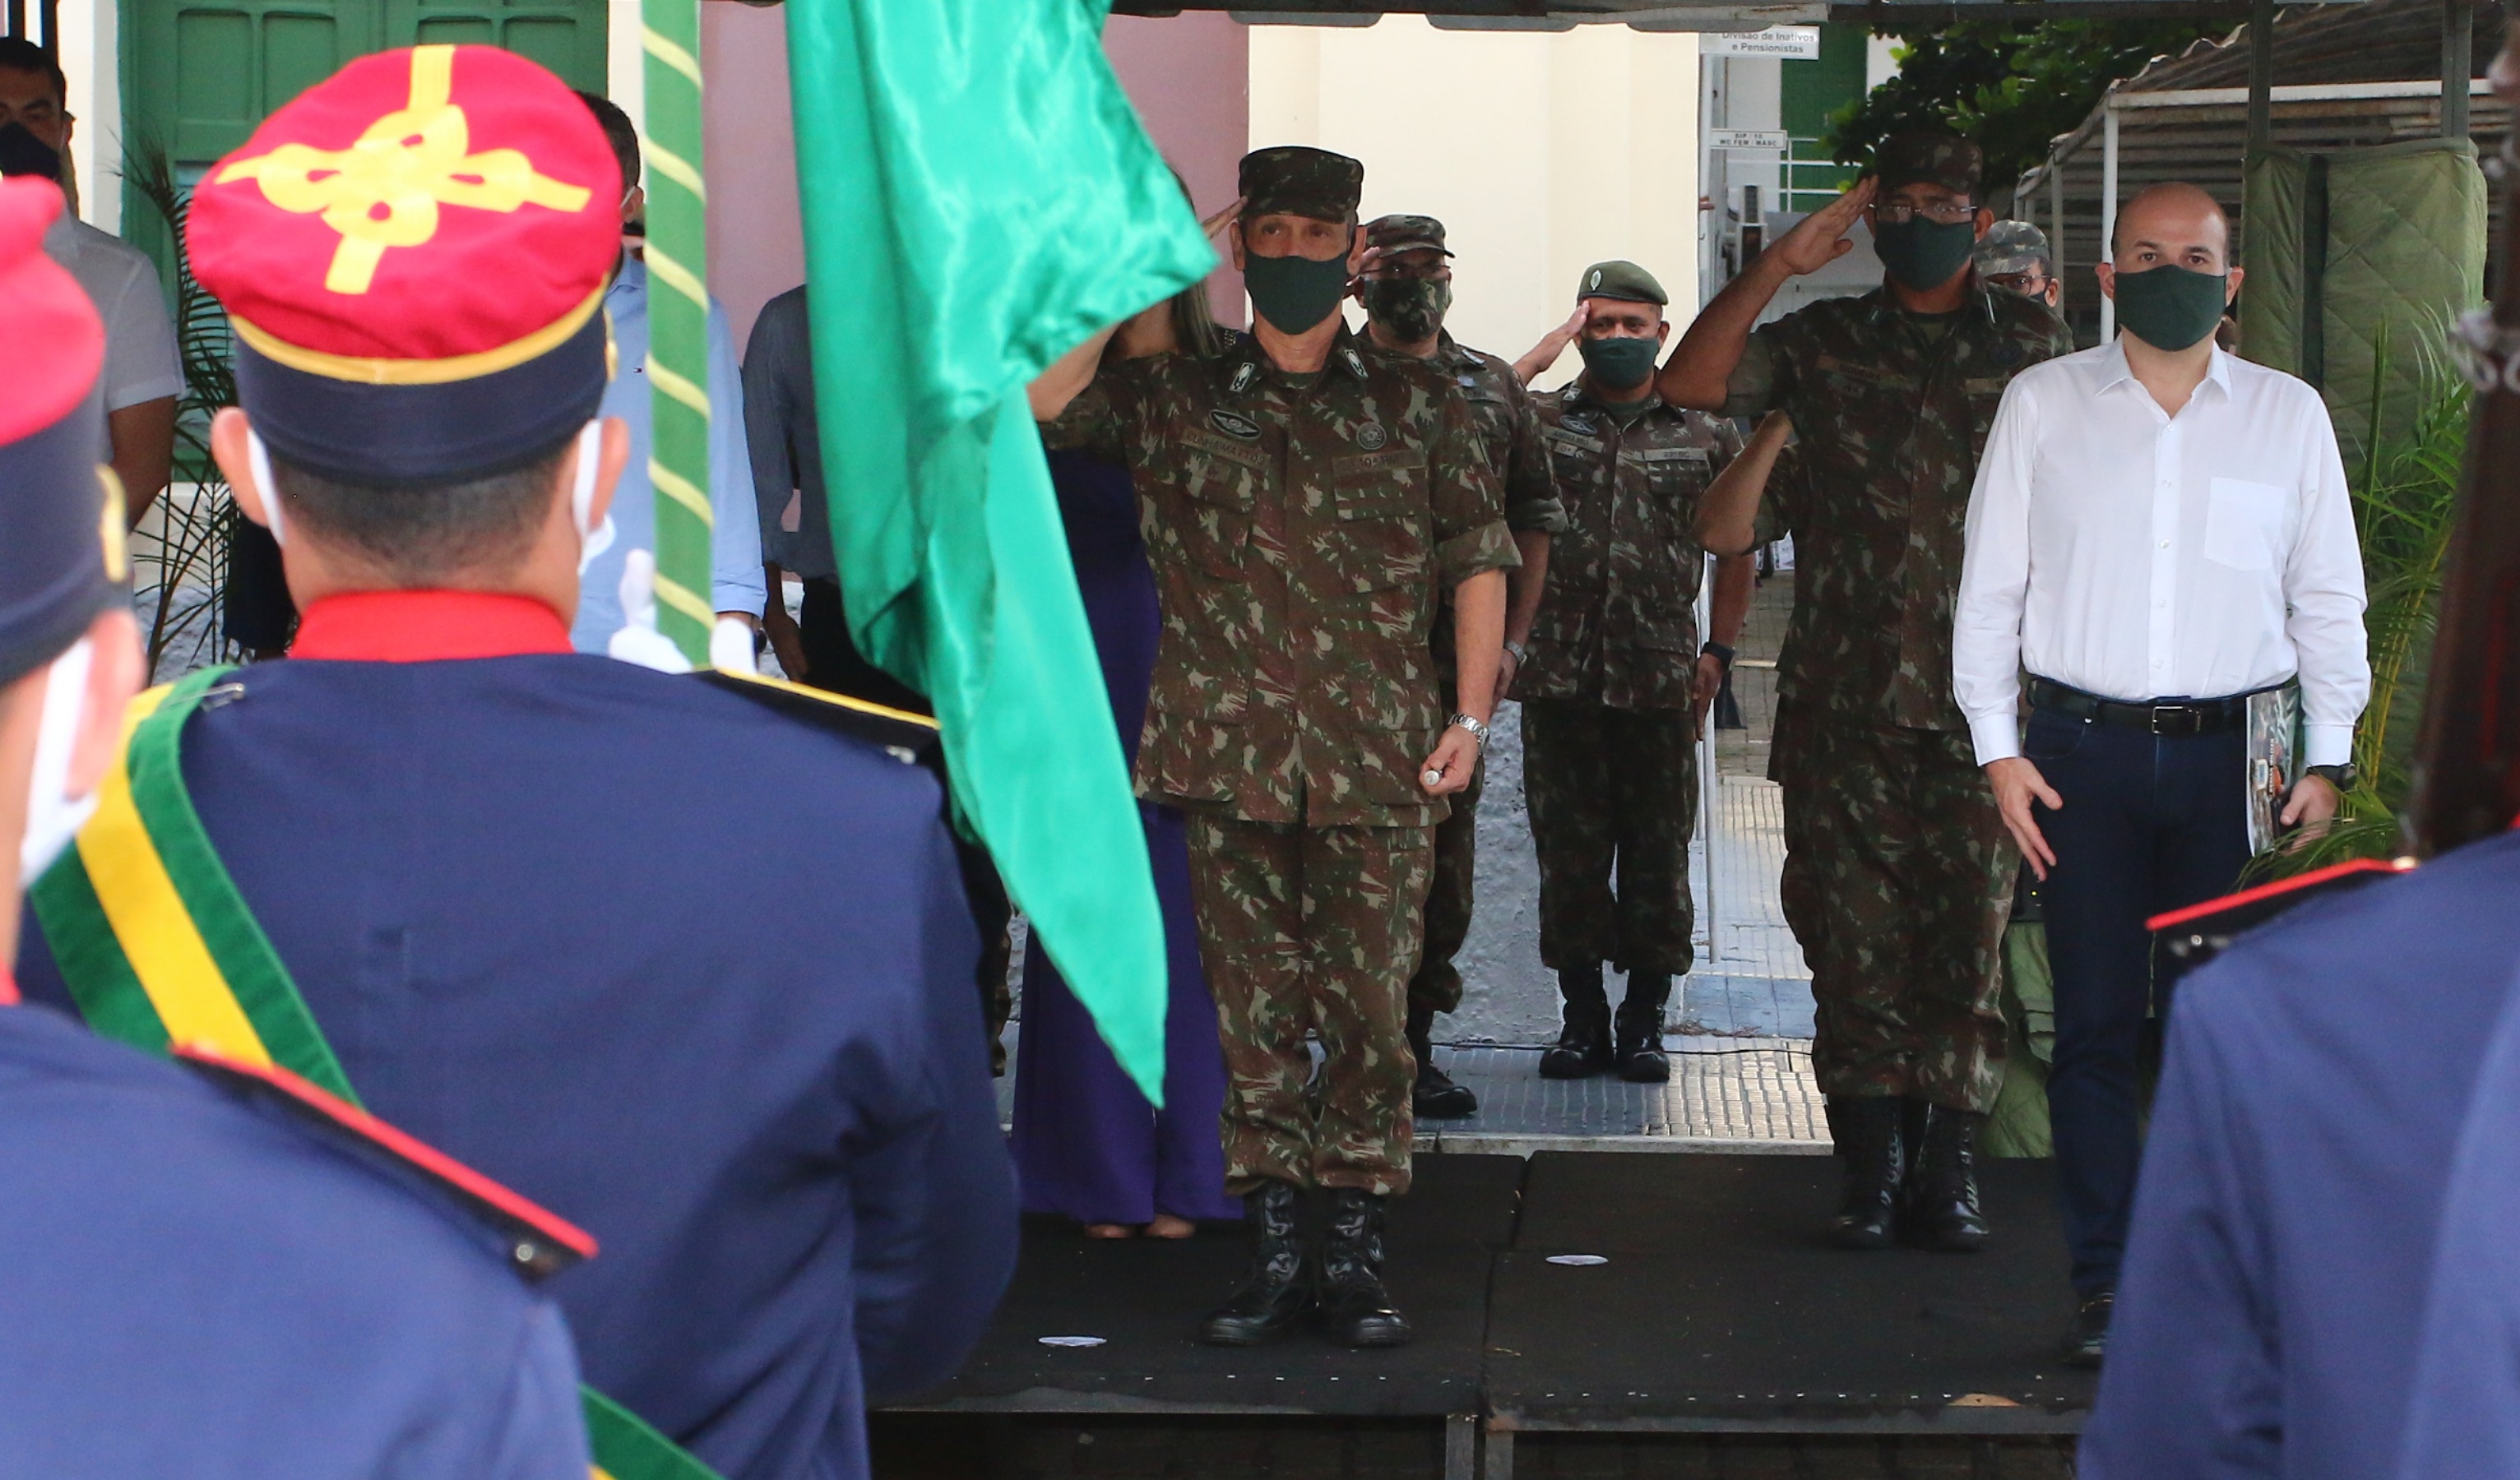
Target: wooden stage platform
[[1577, 1314]]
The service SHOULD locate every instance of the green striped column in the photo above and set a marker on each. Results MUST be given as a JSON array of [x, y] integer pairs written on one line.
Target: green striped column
[[678, 323]]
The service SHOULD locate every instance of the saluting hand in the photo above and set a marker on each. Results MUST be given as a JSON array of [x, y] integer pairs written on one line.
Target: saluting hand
[[1222, 219], [2017, 782], [1819, 239]]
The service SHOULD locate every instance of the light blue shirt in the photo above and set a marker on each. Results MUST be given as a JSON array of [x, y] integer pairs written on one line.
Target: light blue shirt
[[734, 576]]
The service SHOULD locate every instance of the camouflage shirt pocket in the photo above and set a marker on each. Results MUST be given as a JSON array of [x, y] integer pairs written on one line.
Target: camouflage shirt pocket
[[1222, 480], [1386, 515]]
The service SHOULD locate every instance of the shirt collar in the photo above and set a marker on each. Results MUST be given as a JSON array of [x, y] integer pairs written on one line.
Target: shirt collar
[[427, 627], [1244, 361], [2115, 371], [1579, 391]]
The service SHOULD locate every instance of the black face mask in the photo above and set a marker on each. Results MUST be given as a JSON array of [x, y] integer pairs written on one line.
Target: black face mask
[[2171, 308], [1295, 293], [1409, 309], [1921, 255], [23, 153]]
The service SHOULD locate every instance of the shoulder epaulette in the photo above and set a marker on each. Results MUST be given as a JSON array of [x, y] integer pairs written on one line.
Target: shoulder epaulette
[[908, 735], [540, 1243], [2200, 932]]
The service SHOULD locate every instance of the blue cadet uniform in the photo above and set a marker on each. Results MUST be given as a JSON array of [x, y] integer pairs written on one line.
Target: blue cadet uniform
[[2317, 1078], [684, 959], [2463, 1414], [220, 1279]]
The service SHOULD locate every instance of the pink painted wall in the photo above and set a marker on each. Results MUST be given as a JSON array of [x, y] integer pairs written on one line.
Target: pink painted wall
[[756, 244], [1190, 76]]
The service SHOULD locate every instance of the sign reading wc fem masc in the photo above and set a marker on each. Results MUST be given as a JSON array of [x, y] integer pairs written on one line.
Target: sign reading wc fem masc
[[1792, 41], [1736, 140]]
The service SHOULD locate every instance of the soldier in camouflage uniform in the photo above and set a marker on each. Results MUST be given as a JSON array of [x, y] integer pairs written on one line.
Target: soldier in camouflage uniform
[[1306, 505], [1899, 873], [1405, 293], [1612, 689], [2013, 257]]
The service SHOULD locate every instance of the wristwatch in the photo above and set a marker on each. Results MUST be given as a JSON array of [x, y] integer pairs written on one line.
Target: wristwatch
[[2342, 777], [1477, 728], [1519, 652], [1723, 654]]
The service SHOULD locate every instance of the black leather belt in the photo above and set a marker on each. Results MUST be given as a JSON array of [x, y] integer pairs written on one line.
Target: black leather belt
[[2201, 716]]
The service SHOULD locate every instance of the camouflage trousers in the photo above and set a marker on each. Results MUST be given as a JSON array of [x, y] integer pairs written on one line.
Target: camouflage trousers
[[1437, 985], [1312, 929], [1897, 882], [1611, 789]]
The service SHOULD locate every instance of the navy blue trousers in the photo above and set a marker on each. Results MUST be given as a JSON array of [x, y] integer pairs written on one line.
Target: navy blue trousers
[[2150, 824]]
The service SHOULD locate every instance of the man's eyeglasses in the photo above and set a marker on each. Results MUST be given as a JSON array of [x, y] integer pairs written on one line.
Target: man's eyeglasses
[[1898, 214]]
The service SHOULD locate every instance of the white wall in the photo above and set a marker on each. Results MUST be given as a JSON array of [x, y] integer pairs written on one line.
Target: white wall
[[92, 64], [1542, 153]]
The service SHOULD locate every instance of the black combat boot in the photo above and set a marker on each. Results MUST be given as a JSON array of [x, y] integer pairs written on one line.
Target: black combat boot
[[1584, 1043], [1942, 1212], [1640, 1047], [1436, 1096], [1356, 1309], [1871, 1155], [1278, 1295]]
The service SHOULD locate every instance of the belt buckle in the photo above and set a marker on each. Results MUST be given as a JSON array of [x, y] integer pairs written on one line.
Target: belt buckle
[[2177, 719]]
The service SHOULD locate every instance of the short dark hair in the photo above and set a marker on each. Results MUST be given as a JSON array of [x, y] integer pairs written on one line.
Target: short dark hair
[[619, 132], [422, 536], [20, 54]]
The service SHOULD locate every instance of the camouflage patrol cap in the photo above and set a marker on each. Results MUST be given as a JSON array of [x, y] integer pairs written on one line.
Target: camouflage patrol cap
[[1293, 180], [1930, 159], [1624, 281], [2010, 246], [1397, 234]]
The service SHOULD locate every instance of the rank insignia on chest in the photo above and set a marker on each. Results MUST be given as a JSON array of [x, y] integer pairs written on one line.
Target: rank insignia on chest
[[2007, 353], [1243, 374], [1371, 436], [1354, 362], [1581, 426], [1470, 382], [1233, 425]]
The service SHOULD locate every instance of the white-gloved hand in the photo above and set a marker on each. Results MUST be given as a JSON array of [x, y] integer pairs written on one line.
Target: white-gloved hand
[[731, 647], [639, 642]]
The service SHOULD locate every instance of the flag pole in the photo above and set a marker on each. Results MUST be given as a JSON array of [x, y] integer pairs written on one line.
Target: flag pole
[[678, 381]]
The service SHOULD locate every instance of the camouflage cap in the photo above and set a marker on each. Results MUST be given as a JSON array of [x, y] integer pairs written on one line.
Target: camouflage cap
[[1397, 234], [1624, 281], [1293, 180], [1945, 159], [2010, 246]]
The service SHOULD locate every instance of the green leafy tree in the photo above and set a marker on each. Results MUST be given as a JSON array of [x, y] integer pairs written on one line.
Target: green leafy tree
[[2010, 86]]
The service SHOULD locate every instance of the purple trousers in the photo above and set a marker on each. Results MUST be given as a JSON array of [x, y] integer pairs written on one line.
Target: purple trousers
[[1086, 1144]]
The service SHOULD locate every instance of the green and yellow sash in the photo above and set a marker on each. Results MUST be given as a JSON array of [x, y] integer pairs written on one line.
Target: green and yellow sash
[[159, 949]]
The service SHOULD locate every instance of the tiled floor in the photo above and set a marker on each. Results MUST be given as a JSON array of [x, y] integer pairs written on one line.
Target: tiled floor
[[1746, 1093]]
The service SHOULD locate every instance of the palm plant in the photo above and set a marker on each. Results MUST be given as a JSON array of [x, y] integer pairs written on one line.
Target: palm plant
[[2404, 490], [180, 567]]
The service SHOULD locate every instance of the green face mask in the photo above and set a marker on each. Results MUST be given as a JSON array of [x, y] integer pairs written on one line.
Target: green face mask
[[1295, 293], [1409, 309], [1622, 362], [1921, 255], [2171, 308]]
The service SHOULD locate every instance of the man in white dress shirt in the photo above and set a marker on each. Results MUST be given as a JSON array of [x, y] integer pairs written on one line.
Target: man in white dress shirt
[[2158, 530], [143, 378]]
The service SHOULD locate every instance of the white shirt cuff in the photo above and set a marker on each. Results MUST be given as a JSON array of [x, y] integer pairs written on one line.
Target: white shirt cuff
[[1998, 737], [2326, 744]]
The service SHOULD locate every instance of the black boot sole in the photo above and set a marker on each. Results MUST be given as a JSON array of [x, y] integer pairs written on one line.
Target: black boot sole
[[1861, 1239], [1212, 1334], [1452, 1103], [1374, 1334], [1561, 1063], [1640, 1068], [1948, 1241]]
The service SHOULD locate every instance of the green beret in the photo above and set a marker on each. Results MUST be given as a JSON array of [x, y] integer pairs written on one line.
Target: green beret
[[1624, 281], [1291, 179], [1945, 159], [1399, 234]]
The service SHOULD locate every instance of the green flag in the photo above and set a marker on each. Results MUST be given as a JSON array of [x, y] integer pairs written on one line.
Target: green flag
[[979, 198]]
